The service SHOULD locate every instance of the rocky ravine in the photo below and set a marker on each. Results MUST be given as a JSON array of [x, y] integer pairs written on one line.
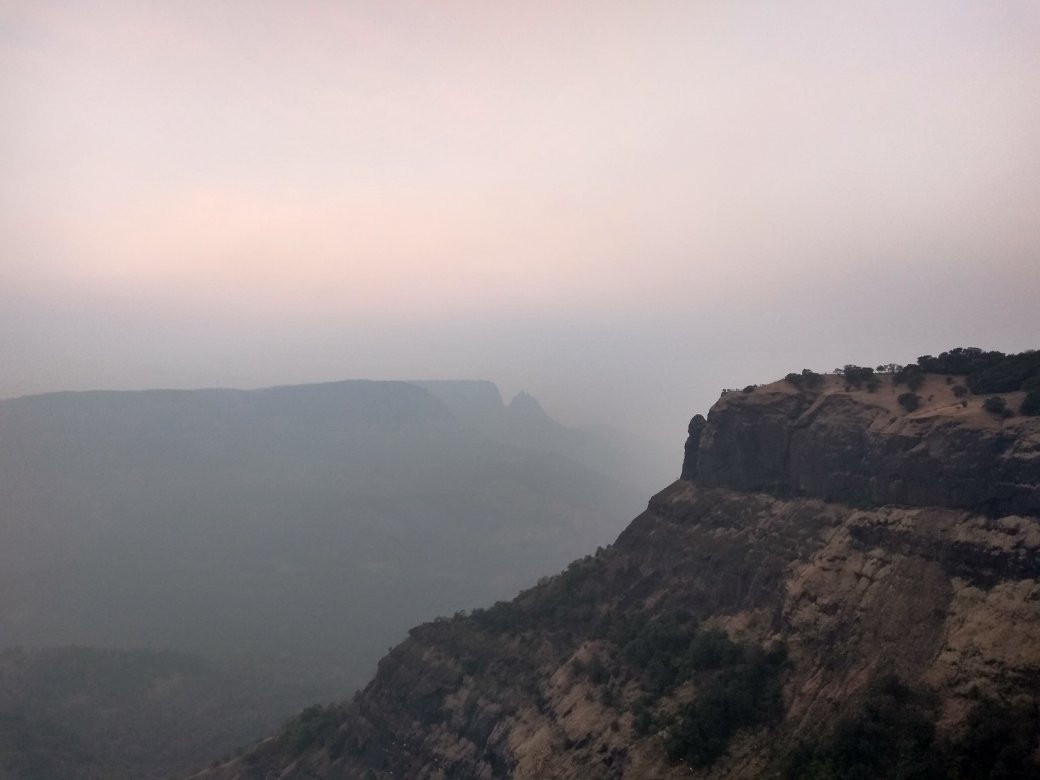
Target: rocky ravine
[[834, 582]]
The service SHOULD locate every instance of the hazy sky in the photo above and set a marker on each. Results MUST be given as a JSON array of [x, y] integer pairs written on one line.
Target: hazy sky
[[620, 207]]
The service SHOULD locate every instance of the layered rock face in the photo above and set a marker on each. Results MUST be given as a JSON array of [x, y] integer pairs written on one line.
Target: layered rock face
[[829, 565], [862, 448]]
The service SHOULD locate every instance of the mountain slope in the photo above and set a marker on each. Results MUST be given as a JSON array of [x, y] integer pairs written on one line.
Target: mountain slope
[[757, 620]]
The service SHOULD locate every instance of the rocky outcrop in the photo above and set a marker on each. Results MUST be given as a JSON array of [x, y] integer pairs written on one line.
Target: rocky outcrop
[[693, 443], [863, 448], [816, 544]]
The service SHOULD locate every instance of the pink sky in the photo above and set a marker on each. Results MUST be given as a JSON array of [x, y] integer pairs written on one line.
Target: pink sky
[[562, 196]]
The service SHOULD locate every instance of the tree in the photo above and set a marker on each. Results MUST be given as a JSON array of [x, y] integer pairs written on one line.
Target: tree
[[909, 401], [857, 375], [1031, 404], [911, 376], [994, 404], [806, 380]]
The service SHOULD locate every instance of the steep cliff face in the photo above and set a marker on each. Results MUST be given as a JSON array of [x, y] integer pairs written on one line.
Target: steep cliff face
[[836, 586], [863, 448]]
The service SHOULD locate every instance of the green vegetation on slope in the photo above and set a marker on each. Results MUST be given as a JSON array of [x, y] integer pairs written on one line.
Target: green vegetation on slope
[[737, 685], [894, 735]]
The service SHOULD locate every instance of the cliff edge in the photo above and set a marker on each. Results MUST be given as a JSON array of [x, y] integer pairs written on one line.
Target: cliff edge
[[861, 447]]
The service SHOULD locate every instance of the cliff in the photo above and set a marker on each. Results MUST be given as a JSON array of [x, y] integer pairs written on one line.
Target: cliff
[[861, 447], [837, 587]]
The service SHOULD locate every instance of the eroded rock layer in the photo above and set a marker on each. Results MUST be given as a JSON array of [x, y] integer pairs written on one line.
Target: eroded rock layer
[[863, 448]]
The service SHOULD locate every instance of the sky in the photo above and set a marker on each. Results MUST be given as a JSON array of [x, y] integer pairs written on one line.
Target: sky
[[619, 207]]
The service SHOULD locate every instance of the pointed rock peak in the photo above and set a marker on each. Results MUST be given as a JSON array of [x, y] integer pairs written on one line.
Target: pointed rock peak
[[525, 402]]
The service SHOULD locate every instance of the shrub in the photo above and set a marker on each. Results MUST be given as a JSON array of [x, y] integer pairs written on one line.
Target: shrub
[[737, 684], [998, 741], [712, 649], [642, 719], [750, 388], [909, 401], [911, 376], [598, 672], [806, 380], [994, 404], [1031, 404], [741, 696], [960, 391], [857, 375], [662, 649], [893, 735]]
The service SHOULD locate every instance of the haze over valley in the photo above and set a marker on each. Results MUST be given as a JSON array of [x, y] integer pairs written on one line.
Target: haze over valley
[[299, 529]]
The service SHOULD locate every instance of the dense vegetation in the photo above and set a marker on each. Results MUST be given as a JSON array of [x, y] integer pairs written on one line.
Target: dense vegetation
[[860, 376], [743, 694], [805, 380], [912, 376], [894, 735], [1031, 403], [996, 405], [737, 684], [909, 401], [985, 372]]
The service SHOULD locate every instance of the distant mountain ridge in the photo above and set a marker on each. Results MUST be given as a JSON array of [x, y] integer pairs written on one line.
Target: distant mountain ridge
[[150, 474], [523, 422]]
